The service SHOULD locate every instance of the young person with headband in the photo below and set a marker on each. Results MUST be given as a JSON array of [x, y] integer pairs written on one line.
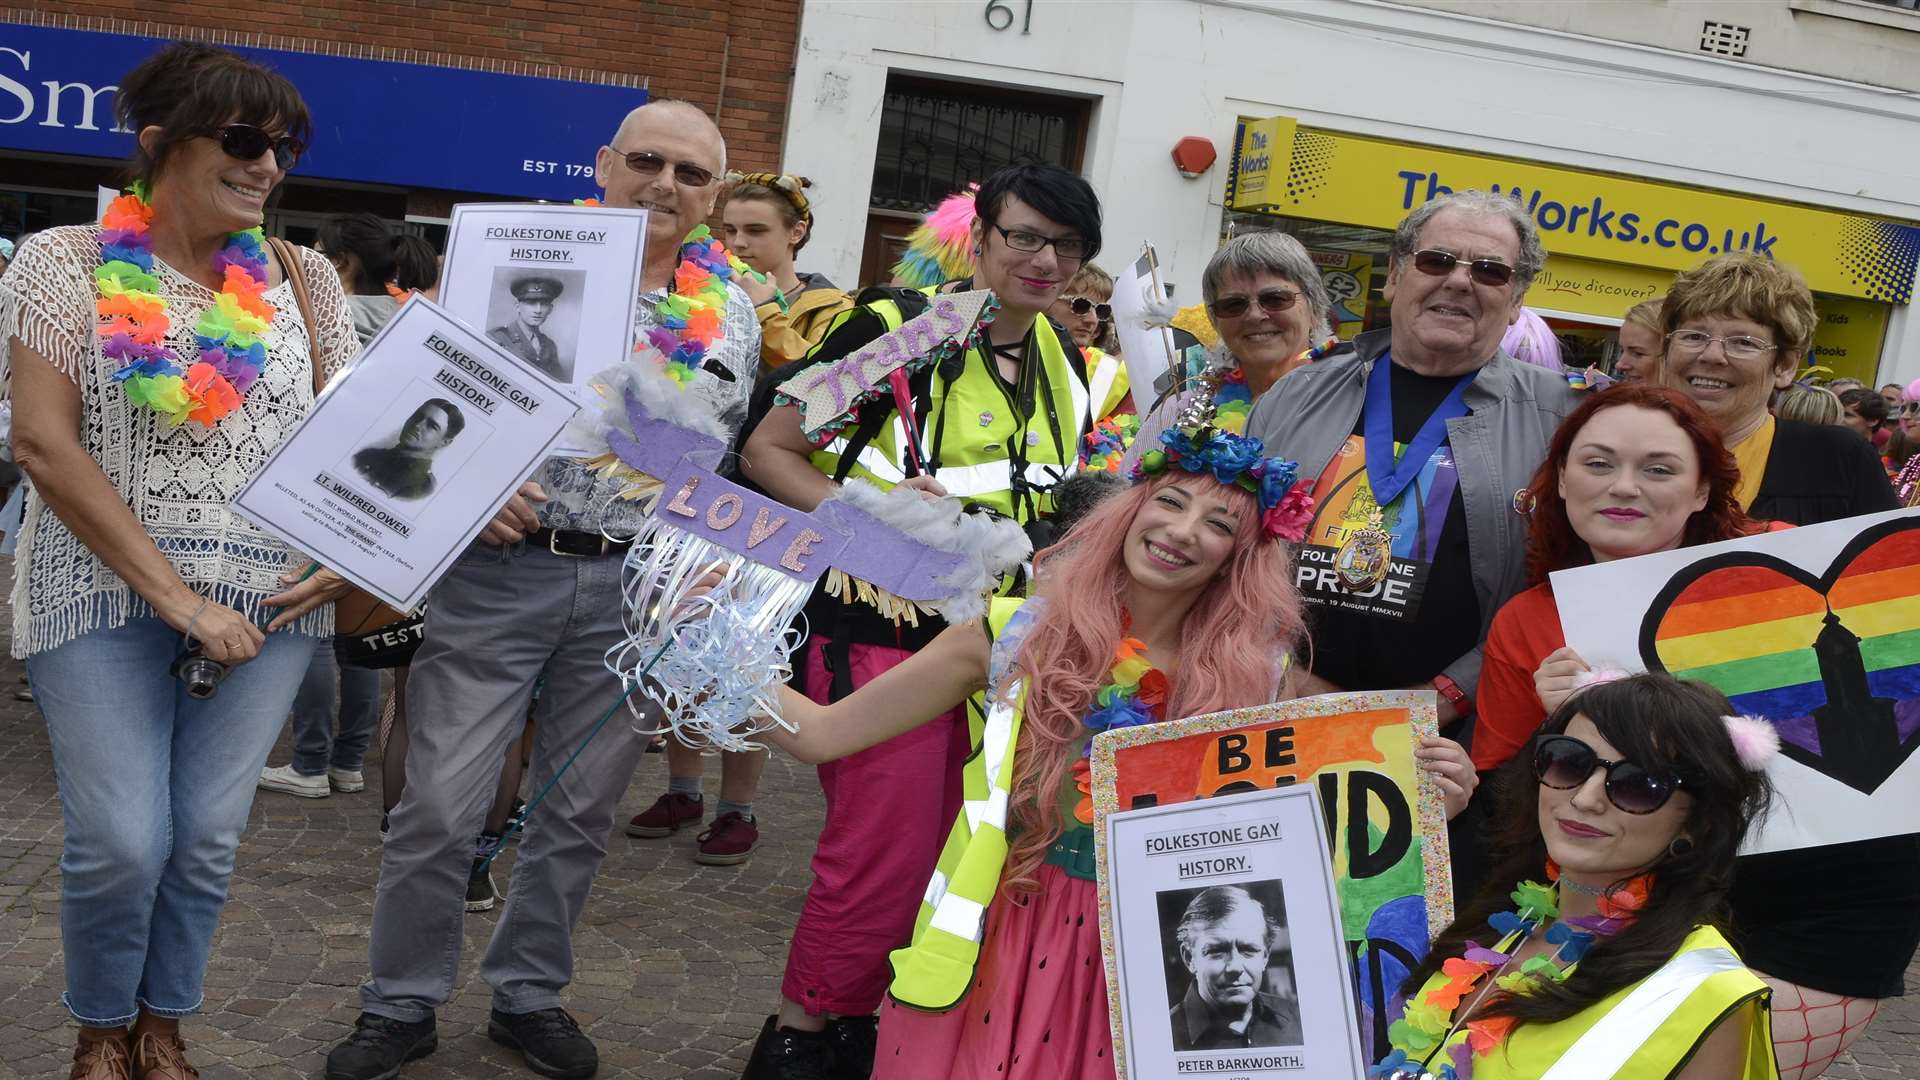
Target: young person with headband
[[766, 221]]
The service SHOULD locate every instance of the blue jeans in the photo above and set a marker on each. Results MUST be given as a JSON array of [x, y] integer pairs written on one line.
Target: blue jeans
[[155, 789], [329, 683]]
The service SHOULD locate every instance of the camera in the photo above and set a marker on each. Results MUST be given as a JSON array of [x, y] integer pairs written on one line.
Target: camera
[[200, 674]]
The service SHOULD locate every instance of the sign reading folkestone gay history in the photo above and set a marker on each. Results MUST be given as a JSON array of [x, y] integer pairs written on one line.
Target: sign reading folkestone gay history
[[1386, 818]]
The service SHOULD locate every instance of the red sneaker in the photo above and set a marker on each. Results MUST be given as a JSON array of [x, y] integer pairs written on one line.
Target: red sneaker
[[666, 815], [729, 842]]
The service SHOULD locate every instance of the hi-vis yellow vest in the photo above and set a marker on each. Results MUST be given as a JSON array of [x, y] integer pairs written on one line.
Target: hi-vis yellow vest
[[974, 455], [934, 971], [1646, 1031], [1107, 382]]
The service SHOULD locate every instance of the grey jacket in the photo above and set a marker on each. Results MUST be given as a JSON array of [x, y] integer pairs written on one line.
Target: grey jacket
[[1515, 408]]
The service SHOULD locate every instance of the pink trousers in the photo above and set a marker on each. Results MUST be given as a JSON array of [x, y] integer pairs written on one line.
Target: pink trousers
[[889, 809]]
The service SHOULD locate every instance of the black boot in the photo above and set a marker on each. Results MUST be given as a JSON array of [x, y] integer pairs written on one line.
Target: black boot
[[852, 1039], [785, 1054], [378, 1047]]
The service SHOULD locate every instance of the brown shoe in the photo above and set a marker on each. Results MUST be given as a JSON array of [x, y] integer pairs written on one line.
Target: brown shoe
[[110, 1058], [161, 1057]]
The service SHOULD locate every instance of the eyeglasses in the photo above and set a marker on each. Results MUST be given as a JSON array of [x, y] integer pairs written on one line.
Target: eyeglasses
[[685, 173], [1563, 762], [1911, 408], [1070, 248], [1080, 305], [1737, 347], [1489, 272], [245, 142], [1272, 301]]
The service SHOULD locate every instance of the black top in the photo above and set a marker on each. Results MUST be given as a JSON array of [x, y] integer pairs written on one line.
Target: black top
[[1821, 472], [1275, 1022], [1355, 645]]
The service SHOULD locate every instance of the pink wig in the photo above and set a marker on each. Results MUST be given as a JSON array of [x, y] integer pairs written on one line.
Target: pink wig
[[1233, 639], [1530, 340]]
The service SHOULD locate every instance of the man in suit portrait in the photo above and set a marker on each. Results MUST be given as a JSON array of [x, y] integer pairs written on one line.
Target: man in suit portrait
[[405, 469], [533, 298], [1225, 938]]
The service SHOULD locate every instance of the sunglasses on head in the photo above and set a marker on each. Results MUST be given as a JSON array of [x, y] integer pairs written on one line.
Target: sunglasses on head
[[1271, 301], [685, 173], [1489, 272], [245, 142], [1080, 305], [1563, 762]]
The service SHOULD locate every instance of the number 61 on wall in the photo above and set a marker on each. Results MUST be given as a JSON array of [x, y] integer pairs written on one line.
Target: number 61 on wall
[[1000, 16]]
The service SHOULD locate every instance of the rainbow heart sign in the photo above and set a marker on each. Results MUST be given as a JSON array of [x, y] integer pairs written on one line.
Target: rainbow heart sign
[[1817, 629], [1833, 661]]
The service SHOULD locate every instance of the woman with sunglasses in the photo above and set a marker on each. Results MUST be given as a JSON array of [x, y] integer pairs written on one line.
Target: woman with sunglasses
[[1735, 330], [154, 358], [1265, 300], [1083, 309], [1618, 834], [1903, 449], [766, 220]]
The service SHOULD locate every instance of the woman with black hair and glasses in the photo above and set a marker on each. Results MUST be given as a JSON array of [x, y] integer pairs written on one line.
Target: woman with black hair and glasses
[[1602, 958], [154, 357]]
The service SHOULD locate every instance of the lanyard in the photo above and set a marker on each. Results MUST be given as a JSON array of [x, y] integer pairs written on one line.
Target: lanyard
[[1387, 478]]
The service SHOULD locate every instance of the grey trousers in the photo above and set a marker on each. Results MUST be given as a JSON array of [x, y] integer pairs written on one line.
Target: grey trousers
[[497, 621]]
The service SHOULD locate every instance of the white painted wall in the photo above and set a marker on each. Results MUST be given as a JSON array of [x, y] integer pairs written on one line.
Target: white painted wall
[[1160, 69]]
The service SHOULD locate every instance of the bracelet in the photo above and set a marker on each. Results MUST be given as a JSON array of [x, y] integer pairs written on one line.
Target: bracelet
[[1450, 690], [197, 612]]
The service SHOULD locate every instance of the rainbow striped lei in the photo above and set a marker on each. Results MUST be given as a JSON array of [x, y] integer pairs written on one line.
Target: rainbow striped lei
[[134, 330]]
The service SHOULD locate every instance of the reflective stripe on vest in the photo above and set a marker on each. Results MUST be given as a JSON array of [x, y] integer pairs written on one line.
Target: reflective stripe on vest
[[1607, 1045], [935, 971]]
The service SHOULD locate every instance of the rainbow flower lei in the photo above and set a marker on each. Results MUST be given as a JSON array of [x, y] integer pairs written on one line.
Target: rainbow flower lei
[[1232, 401], [1135, 694], [1106, 445], [694, 311], [1428, 1026], [134, 330]]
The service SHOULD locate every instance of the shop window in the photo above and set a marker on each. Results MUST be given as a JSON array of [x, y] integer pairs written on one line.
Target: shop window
[[29, 211], [937, 137]]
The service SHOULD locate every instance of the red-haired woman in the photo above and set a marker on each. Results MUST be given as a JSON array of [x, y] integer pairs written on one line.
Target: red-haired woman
[[1170, 599], [1635, 469]]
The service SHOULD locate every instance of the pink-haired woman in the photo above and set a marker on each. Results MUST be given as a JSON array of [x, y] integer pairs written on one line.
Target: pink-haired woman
[[1169, 599]]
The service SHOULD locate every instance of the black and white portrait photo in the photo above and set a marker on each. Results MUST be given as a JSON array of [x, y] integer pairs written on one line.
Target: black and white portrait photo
[[412, 451], [1230, 981], [534, 313]]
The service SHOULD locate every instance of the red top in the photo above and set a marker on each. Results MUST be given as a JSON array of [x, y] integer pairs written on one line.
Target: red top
[[1523, 633]]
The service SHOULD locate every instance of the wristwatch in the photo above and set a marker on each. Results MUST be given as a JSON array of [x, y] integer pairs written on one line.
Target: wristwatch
[[1450, 690]]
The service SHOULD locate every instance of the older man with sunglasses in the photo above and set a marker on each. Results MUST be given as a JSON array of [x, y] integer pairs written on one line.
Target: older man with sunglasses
[[1420, 444], [537, 595]]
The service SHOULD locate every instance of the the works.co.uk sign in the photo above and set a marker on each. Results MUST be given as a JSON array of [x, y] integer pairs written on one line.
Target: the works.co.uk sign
[[409, 125], [1332, 176]]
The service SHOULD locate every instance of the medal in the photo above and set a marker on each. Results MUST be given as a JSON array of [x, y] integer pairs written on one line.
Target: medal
[[986, 419], [1365, 557]]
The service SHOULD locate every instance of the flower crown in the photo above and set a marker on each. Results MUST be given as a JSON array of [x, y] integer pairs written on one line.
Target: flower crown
[[1286, 505]]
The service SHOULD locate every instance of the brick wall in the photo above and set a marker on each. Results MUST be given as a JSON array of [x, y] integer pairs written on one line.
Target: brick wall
[[677, 46]]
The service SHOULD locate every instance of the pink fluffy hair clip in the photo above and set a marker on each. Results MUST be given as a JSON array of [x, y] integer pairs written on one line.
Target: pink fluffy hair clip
[[1755, 741], [1596, 676]]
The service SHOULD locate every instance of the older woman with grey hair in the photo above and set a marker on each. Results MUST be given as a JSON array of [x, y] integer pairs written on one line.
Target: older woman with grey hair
[[1265, 299]]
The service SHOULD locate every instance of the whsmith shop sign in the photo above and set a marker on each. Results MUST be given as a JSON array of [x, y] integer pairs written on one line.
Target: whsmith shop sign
[[374, 121], [1282, 168]]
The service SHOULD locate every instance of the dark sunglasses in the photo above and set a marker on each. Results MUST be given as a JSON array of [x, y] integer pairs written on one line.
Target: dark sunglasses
[[1563, 762], [1489, 272], [1080, 305], [685, 173], [1272, 301], [246, 143]]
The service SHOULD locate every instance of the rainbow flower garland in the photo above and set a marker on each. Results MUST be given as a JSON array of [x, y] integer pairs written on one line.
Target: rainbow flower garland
[[694, 311], [1428, 1027], [1108, 441], [1135, 694], [1232, 401], [134, 330]]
